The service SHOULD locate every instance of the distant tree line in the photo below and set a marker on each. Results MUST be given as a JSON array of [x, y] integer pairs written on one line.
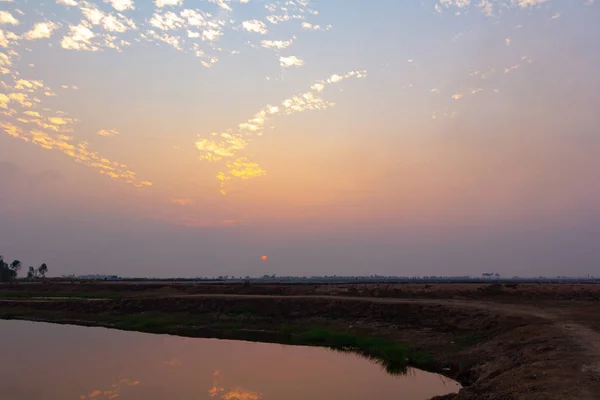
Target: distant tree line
[[9, 272]]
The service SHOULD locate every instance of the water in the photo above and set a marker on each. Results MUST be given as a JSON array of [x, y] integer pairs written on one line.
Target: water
[[41, 361]]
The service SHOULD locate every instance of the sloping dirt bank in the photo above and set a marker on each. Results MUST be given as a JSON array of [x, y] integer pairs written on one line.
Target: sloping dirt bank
[[497, 351]]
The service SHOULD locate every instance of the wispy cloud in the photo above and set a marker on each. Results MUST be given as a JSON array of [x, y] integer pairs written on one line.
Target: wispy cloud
[[182, 201], [228, 144], [276, 44], [108, 132], [555, 16], [488, 7]]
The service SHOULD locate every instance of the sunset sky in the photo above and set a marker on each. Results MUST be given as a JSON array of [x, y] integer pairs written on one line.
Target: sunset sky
[[192, 137]]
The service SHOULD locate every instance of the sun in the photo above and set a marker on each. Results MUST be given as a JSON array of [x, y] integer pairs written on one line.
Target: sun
[[264, 258]]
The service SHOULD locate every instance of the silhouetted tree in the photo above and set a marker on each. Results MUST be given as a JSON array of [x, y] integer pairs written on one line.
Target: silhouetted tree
[[9, 272], [16, 266], [42, 269]]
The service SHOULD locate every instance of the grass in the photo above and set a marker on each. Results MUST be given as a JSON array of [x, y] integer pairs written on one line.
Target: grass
[[393, 356]]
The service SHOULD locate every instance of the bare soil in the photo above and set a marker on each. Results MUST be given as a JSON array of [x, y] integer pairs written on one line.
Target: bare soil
[[524, 342]]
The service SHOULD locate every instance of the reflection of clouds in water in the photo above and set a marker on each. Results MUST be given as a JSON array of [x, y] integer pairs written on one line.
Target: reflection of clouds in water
[[108, 394], [229, 143], [173, 363], [240, 394], [235, 393]]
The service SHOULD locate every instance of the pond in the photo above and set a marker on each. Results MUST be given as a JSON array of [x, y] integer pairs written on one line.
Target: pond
[[40, 361]]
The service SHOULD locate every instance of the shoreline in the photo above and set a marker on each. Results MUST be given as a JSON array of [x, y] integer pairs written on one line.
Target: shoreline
[[493, 350]]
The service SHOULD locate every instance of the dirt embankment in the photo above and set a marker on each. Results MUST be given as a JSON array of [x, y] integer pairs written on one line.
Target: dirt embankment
[[511, 292], [497, 351]]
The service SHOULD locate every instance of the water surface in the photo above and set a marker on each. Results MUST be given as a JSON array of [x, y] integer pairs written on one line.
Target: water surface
[[42, 361]]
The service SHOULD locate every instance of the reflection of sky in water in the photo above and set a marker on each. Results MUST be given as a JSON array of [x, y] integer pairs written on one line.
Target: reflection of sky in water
[[70, 362]]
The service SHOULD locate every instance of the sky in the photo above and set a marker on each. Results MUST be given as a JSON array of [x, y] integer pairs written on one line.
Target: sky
[[192, 137]]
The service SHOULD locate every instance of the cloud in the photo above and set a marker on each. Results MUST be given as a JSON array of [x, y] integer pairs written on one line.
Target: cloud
[[77, 150], [195, 17], [115, 24], [243, 168], [228, 144], [172, 40], [457, 96], [318, 87], [5, 63], [6, 18], [165, 3], [241, 394], [121, 5], [108, 132], [41, 30], [310, 27], [109, 22], [222, 3], [488, 7], [528, 3], [21, 98], [60, 120], [67, 2], [291, 61], [255, 26], [276, 44], [183, 201], [167, 21], [28, 86], [8, 38], [4, 100], [79, 38], [109, 393]]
